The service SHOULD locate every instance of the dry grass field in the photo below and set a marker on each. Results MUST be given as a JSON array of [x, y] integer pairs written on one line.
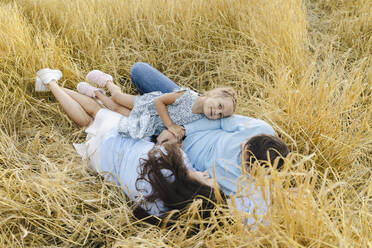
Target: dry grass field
[[303, 66]]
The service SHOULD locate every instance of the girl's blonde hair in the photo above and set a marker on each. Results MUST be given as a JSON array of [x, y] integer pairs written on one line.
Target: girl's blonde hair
[[223, 92]]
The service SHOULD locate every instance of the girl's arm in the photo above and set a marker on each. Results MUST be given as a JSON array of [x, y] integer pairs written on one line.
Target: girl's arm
[[161, 106]]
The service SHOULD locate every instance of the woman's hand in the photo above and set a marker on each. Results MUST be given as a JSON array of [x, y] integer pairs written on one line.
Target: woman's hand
[[202, 177], [178, 131], [205, 175]]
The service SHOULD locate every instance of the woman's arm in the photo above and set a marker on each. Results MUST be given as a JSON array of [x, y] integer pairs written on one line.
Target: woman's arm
[[161, 106]]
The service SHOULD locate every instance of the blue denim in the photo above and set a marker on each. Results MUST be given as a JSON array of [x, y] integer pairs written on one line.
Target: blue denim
[[147, 79]]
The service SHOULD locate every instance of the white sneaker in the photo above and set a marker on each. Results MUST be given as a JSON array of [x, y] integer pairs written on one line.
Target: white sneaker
[[39, 86], [44, 77]]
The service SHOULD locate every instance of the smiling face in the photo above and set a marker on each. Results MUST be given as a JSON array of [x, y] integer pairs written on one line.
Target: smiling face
[[218, 107]]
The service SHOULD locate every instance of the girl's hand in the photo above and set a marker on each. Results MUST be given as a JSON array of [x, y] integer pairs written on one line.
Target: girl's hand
[[166, 137], [178, 131]]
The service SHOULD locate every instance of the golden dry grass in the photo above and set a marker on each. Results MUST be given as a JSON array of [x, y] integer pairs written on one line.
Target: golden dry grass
[[303, 66]]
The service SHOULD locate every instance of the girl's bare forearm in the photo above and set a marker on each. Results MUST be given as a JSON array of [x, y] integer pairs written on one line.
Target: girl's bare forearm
[[161, 106], [163, 113]]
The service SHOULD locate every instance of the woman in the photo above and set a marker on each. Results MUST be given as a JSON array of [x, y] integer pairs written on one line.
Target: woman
[[157, 178]]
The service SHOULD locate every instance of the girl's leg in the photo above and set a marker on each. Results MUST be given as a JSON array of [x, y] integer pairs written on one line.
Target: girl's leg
[[87, 103], [112, 105], [148, 79], [73, 108], [120, 98]]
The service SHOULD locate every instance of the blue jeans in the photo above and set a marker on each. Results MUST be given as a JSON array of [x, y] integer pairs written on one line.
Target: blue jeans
[[147, 79]]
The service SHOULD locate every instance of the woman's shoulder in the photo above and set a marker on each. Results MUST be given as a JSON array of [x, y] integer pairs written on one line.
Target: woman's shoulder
[[115, 137]]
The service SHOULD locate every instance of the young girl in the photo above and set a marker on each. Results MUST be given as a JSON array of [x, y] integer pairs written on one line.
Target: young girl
[[150, 113]]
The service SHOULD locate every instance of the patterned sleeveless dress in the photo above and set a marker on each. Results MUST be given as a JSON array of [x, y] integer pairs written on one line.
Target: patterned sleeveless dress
[[144, 120]]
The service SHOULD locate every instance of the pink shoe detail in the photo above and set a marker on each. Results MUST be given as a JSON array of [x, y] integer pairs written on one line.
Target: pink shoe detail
[[98, 77], [88, 90]]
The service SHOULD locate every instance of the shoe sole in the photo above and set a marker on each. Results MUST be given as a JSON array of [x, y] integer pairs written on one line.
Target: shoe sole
[[101, 73], [39, 86]]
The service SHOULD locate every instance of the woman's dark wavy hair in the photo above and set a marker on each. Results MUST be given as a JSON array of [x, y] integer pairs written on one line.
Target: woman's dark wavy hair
[[176, 191]]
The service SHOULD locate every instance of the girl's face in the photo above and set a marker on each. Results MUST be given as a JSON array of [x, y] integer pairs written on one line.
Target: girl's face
[[216, 107]]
